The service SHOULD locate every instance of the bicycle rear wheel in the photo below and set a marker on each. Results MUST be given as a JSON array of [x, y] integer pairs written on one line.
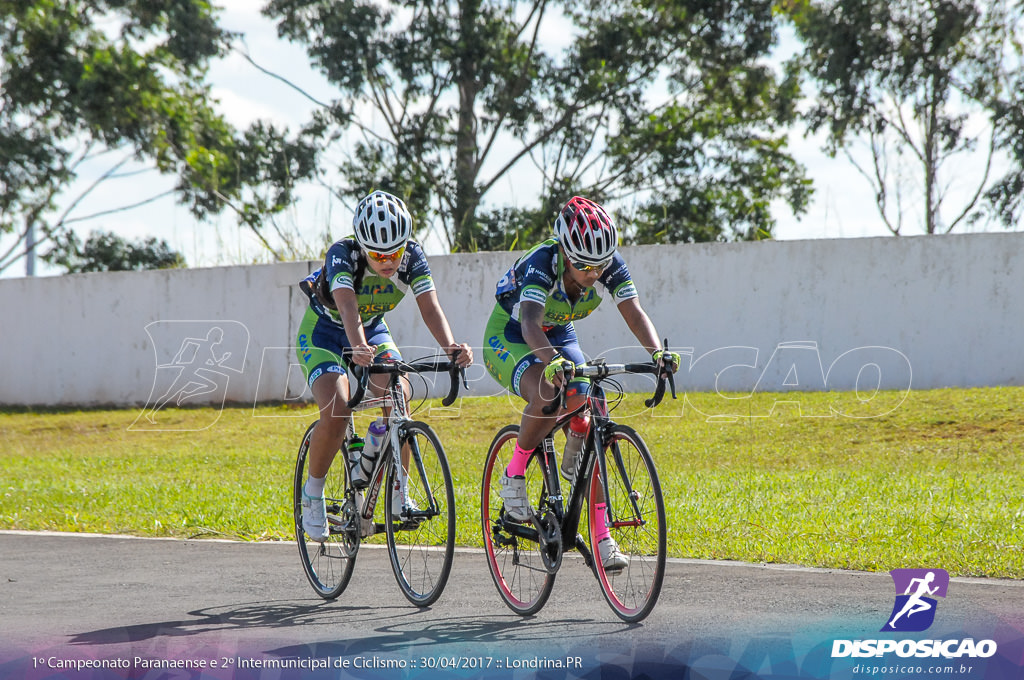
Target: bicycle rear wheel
[[421, 543], [515, 561], [328, 565], [637, 513]]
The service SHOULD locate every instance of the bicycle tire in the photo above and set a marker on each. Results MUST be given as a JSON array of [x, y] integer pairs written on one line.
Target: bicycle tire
[[328, 565], [519, 575], [422, 552], [633, 591]]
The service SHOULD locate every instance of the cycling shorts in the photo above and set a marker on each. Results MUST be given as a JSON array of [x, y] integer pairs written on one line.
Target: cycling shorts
[[507, 356], [320, 346]]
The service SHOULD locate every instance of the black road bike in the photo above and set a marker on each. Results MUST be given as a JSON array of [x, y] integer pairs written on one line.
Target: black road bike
[[615, 466]]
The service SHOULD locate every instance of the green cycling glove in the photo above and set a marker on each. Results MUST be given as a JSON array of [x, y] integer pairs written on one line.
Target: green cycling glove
[[556, 365], [667, 358]]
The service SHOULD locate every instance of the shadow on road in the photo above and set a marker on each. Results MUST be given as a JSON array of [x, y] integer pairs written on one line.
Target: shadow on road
[[373, 628]]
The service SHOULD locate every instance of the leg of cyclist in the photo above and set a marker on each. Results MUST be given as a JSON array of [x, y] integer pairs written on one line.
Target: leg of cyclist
[[538, 393], [319, 350], [331, 392]]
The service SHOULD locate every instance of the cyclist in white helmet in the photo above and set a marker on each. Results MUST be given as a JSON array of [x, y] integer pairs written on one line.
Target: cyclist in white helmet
[[530, 344], [363, 277]]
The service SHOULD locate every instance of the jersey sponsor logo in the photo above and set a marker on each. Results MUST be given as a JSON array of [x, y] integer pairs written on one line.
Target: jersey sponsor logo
[[304, 347], [314, 375], [498, 347], [378, 289], [376, 308], [539, 273], [520, 369], [532, 294], [625, 291], [335, 260]]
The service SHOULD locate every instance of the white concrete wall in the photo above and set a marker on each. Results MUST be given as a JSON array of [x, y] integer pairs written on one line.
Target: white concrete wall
[[924, 312]]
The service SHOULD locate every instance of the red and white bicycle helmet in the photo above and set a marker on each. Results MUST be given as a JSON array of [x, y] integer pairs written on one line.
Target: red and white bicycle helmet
[[586, 231], [382, 223]]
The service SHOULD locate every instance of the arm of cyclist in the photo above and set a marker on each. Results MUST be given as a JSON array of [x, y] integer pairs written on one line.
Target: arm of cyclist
[[531, 318], [437, 324], [643, 328], [348, 309]]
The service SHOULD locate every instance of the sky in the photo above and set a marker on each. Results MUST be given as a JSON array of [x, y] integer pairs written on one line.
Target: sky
[[842, 207]]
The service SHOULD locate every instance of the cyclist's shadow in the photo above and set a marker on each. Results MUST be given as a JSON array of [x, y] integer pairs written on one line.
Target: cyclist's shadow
[[381, 628], [246, 616], [411, 632]]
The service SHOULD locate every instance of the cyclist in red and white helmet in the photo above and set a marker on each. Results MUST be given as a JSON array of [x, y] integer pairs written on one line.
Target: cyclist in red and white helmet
[[363, 276], [530, 345], [586, 232]]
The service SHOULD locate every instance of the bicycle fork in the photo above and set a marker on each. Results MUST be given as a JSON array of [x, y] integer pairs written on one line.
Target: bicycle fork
[[602, 462]]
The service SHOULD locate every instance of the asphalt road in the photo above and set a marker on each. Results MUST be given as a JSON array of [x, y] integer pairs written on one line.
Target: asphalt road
[[67, 596]]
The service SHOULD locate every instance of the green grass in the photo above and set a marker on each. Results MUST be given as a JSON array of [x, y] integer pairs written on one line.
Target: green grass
[[935, 481]]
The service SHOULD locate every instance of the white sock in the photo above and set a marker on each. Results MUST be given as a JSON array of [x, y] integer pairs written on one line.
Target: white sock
[[314, 486]]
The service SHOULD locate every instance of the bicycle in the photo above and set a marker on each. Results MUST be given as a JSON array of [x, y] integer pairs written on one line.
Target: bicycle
[[421, 539], [616, 467]]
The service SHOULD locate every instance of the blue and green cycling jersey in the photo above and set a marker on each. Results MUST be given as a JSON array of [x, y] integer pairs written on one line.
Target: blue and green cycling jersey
[[376, 295], [537, 277]]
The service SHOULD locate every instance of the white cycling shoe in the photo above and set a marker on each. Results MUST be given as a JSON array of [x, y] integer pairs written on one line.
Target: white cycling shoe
[[612, 558], [401, 503], [513, 492], [314, 518]]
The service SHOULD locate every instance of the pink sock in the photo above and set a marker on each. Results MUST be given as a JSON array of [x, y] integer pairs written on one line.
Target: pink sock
[[600, 517], [517, 466]]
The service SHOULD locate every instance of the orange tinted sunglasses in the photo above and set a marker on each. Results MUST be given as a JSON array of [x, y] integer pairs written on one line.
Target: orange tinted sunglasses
[[391, 257], [584, 267]]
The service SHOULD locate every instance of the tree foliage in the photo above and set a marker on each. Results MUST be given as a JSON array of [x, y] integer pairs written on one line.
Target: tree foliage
[[911, 78], [663, 109], [118, 81], [107, 252]]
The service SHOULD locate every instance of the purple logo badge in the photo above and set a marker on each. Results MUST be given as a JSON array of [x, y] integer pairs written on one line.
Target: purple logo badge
[[915, 606]]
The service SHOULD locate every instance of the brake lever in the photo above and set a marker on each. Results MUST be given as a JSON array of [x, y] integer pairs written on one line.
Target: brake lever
[[559, 400], [363, 374], [453, 382]]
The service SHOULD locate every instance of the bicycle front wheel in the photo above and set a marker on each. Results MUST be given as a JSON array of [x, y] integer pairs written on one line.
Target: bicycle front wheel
[[328, 565], [636, 513], [421, 539], [513, 557]]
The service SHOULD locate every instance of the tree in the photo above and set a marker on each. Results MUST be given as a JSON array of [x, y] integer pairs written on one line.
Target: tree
[[909, 77], [658, 108], [107, 252], [122, 81]]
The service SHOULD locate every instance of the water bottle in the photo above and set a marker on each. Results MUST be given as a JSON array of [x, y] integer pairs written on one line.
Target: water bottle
[[371, 450], [354, 445], [575, 437]]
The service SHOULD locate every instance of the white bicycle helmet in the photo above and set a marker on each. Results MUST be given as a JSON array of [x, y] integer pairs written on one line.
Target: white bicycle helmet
[[382, 223], [586, 231]]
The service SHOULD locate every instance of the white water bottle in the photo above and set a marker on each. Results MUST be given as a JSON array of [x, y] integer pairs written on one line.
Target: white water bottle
[[371, 450]]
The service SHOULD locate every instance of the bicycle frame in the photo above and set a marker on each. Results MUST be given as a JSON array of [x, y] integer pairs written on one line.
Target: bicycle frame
[[394, 399], [594, 452]]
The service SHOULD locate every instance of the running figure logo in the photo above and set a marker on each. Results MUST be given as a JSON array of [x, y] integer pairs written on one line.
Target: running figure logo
[[205, 354], [914, 610]]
